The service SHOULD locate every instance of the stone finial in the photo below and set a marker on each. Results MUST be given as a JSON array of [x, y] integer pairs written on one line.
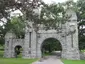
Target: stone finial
[[71, 14]]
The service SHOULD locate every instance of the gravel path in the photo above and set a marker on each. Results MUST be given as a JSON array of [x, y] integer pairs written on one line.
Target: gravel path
[[50, 60]]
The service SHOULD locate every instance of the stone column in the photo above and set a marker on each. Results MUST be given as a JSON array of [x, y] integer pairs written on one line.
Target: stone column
[[72, 36], [26, 46], [72, 42], [64, 48], [33, 45], [8, 48]]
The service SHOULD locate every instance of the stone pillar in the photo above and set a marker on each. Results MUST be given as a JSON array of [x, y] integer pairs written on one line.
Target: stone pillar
[[26, 50], [39, 53], [72, 37], [33, 45], [8, 48], [64, 48], [9, 44], [30, 44]]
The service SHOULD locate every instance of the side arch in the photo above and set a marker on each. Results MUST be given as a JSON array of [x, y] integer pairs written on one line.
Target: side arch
[[18, 50]]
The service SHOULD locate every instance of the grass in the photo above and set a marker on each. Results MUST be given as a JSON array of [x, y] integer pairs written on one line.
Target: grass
[[46, 54], [1, 54], [29, 61], [82, 50], [14, 60], [73, 61]]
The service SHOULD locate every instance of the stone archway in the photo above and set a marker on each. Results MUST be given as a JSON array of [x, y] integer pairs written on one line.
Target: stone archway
[[18, 51], [67, 35], [51, 35], [51, 47]]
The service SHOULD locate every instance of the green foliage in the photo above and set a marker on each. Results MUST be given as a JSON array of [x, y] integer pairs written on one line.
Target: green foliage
[[2, 33], [6, 5], [52, 15], [18, 26], [81, 8], [81, 42], [1, 53], [82, 50], [51, 45], [81, 17]]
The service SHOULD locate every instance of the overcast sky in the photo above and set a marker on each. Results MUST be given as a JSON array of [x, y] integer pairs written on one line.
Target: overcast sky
[[50, 1]]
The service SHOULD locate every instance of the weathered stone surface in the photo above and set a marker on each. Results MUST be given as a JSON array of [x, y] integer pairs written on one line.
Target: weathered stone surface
[[31, 44]]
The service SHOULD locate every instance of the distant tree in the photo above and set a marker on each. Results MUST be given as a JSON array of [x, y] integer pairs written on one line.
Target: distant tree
[[81, 21], [17, 25], [51, 45]]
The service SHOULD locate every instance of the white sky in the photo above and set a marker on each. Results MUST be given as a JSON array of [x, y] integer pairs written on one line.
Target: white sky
[[56, 1]]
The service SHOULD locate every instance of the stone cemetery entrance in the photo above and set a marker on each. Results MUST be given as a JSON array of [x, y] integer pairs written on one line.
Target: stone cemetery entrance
[[32, 44]]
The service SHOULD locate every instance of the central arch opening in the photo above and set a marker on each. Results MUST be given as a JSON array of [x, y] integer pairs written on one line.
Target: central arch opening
[[51, 47], [18, 51]]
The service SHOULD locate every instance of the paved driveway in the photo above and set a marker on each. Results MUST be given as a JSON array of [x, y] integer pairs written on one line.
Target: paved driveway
[[50, 60]]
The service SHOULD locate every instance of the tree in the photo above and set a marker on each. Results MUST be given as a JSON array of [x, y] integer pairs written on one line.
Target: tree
[[81, 16], [79, 8], [18, 26], [51, 45], [52, 15], [27, 7], [6, 6], [2, 32], [14, 24]]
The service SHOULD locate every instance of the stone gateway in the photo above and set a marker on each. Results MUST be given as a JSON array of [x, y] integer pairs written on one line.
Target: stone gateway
[[31, 44]]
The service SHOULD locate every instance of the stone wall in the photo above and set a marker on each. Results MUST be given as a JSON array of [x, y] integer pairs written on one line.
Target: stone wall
[[10, 45], [31, 44]]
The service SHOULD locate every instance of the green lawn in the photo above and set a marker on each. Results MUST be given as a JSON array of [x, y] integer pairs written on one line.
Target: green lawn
[[29, 61], [15, 60], [73, 61], [1, 54]]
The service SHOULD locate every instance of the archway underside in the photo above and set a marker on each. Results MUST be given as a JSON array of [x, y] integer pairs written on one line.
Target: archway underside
[[51, 47], [18, 51]]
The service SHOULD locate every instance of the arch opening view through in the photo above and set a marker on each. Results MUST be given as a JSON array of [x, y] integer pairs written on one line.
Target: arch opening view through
[[51, 47], [18, 51]]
